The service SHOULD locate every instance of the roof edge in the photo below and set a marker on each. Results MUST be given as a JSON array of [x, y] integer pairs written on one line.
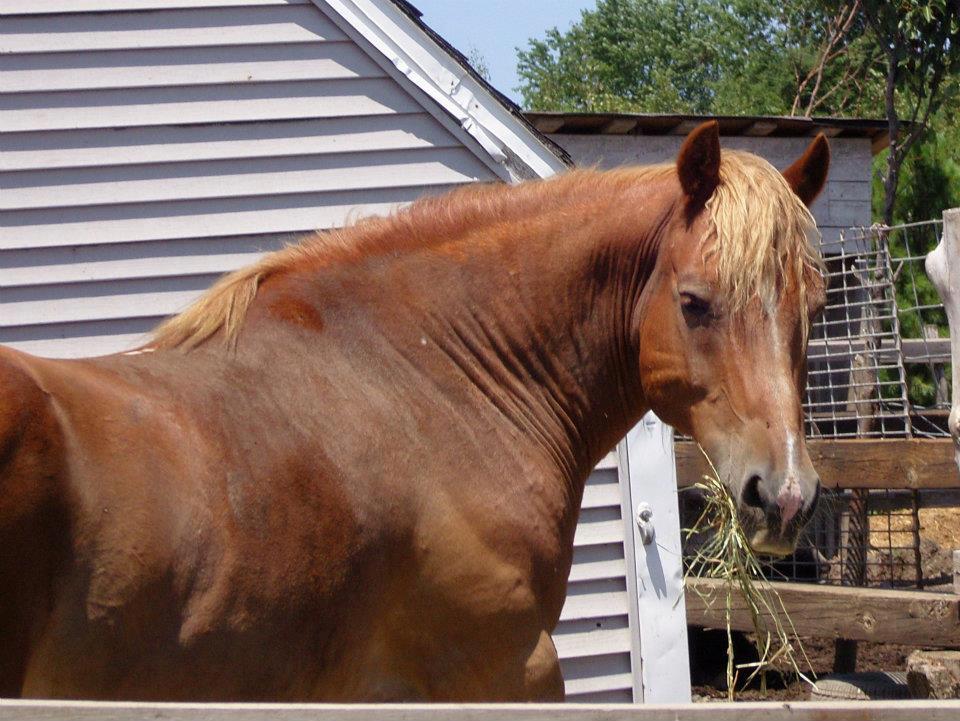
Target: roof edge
[[559, 122]]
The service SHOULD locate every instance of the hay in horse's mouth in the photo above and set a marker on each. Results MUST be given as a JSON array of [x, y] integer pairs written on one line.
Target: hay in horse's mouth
[[728, 555]]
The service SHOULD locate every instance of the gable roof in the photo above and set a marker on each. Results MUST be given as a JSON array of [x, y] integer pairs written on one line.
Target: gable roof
[[411, 51]]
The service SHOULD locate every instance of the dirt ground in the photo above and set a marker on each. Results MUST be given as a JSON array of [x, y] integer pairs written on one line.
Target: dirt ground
[[870, 657]]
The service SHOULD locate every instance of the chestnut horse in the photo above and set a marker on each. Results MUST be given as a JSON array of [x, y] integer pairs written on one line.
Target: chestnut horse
[[353, 471]]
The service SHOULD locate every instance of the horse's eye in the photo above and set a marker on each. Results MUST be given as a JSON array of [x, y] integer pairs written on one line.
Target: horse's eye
[[694, 305]]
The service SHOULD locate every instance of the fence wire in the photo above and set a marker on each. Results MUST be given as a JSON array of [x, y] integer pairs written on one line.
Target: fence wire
[[878, 367]]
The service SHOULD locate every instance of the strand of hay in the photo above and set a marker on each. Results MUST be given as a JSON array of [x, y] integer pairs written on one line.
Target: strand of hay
[[727, 556]]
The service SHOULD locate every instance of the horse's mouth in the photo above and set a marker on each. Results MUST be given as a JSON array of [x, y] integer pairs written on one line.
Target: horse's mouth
[[772, 543], [767, 535]]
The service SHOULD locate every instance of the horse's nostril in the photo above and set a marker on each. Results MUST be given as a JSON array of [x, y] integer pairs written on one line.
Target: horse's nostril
[[751, 493]]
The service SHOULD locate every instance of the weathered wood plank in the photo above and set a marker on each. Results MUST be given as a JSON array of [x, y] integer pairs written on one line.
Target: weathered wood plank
[[913, 349], [860, 614], [889, 463], [17, 710]]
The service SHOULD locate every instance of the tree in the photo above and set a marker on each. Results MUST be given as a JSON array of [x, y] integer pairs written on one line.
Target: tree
[[834, 58], [920, 42], [704, 56]]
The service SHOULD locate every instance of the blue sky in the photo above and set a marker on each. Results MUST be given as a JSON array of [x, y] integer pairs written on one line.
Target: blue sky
[[496, 27]]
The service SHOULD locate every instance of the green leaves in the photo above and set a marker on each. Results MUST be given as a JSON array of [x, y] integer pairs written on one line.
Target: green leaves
[[697, 56]]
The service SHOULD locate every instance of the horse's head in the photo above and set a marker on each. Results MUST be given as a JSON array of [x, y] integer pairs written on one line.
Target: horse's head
[[724, 332]]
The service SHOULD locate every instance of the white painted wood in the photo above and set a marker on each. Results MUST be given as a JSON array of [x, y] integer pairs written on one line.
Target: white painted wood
[[178, 28], [597, 569], [39, 267], [101, 301], [596, 629], [159, 145], [593, 643], [652, 473], [943, 267], [238, 178], [600, 495], [611, 460], [593, 533], [230, 103], [201, 219], [71, 340], [184, 66], [48, 7], [580, 606]]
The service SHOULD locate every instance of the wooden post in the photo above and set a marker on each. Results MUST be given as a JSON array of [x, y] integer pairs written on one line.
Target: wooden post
[[862, 399], [940, 383], [956, 572]]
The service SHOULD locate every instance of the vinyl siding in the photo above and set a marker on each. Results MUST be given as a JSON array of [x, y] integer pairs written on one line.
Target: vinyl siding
[[595, 631], [147, 147]]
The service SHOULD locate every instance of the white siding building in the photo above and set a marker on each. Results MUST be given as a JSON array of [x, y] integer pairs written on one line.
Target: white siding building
[[148, 146]]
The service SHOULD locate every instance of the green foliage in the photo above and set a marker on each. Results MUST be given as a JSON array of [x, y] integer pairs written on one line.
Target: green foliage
[[920, 44], [701, 56], [929, 176]]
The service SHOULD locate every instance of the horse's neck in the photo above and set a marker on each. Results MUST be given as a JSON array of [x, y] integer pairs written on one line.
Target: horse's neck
[[534, 316]]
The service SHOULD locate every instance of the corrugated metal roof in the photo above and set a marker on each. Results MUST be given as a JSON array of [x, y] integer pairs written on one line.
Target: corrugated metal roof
[[681, 124]]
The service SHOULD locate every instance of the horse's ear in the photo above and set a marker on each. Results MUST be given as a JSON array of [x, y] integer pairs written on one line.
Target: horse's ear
[[698, 162], [808, 174]]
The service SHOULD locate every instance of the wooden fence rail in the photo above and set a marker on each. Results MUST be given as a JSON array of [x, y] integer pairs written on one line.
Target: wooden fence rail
[[893, 463], [915, 618], [11, 710]]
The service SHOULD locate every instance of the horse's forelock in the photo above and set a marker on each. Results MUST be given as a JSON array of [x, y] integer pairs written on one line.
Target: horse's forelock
[[763, 237]]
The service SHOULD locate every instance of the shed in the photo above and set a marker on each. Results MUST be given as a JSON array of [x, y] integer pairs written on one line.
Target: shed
[[611, 139], [148, 146]]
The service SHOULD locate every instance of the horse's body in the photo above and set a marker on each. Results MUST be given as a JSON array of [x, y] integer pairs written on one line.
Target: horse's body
[[360, 480]]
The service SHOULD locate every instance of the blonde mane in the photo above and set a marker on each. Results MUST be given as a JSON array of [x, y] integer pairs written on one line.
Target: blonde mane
[[763, 233], [766, 237]]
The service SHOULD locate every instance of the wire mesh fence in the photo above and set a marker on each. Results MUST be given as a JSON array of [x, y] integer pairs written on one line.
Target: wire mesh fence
[[878, 367]]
